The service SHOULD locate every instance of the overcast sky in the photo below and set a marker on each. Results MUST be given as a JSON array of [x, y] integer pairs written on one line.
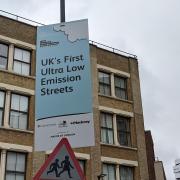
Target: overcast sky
[[149, 29]]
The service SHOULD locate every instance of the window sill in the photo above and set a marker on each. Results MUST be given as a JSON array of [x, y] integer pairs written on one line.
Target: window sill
[[14, 73], [116, 98], [119, 146], [17, 130]]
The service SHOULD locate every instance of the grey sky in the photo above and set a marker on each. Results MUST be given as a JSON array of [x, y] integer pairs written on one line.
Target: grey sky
[[149, 29]]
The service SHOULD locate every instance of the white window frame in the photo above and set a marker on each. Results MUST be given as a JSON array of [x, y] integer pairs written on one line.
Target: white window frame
[[106, 175], [5, 56], [119, 162], [22, 62], [19, 111], [114, 72], [4, 147], [105, 85], [115, 113], [126, 132], [129, 167], [125, 89], [107, 129], [3, 108], [12, 43], [15, 172], [17, 90]]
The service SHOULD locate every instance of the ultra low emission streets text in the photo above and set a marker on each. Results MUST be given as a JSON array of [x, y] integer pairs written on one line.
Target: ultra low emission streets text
[[67, 68]]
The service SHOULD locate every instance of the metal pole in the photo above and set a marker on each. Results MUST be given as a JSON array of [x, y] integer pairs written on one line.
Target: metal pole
[[62, 10]]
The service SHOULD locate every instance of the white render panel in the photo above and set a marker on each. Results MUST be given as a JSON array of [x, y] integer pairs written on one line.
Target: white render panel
[[112, 70], [15, 147], [119, 161], [2, 164], [78, 155], [17, 89], [17, 42], [82, 155], [116, 111]]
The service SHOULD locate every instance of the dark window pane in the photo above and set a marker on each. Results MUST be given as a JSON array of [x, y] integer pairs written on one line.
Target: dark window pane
[[104, 89], [25, 69], [107, 128], [15, 102], [120, 87], [22, 55], [126, 173], [2, 96], [19, 177], [82, 163], [1, 117], [15, 166], [3, 50], [104, 83], [107, 90], [10, 176], [121, 93], [3, 56], [19, 103], [17, 67], [120, 82], [123, 131], [22, 121], [18, 120], [104, 78], [106, 120], [23, 104], [123, 140], [26, 56], [20, 162], [121, 124], [11, 161], [3, 62], [21, 68], [18, 55], [1, 99], [110, 171], [21, 61]]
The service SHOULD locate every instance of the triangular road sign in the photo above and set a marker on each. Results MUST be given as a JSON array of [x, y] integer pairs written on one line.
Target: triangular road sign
[[61, 164]]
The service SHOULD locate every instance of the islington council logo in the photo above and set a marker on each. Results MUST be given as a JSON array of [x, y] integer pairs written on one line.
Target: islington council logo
[[45, 43]]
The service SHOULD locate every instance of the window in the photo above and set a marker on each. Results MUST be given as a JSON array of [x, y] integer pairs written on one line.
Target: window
[[120, 87], [21, 61], [3, 56], [123, 131], [15, 166], [2, 97], [104, 83], [126, 173], [19, 111], [110, 171], [106, 128], [82, 163]]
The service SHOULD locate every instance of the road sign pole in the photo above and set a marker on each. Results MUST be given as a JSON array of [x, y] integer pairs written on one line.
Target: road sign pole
[[62, 11]]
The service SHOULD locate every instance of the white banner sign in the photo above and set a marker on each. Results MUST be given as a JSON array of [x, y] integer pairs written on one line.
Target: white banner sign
[[63, 86], [74, 127]]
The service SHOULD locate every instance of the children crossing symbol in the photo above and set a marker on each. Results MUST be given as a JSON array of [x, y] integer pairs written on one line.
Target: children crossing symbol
[[61, 165]]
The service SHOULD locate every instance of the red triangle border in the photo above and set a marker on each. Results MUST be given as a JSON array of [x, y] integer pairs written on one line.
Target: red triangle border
[[65, 142]]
